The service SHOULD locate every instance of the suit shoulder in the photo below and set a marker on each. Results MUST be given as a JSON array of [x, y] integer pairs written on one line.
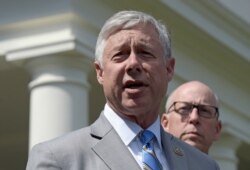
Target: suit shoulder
[[69, 141], [195, 157]]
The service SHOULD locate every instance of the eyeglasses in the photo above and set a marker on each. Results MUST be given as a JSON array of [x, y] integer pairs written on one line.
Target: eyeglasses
[[185, 108]]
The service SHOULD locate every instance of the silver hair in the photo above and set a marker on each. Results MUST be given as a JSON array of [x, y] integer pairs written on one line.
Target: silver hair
[[126, 20]]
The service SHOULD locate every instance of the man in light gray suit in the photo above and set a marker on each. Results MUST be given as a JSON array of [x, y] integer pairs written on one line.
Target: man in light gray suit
[[134, 65]]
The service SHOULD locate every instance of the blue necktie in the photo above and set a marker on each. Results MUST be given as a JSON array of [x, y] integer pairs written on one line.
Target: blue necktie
[[149, 159]]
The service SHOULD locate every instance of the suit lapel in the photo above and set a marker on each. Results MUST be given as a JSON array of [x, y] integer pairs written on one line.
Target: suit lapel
[[115, 154], [175, 154], [110, 148]]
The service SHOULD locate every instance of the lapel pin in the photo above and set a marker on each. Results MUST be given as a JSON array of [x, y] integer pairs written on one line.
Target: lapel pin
[[178, 151]]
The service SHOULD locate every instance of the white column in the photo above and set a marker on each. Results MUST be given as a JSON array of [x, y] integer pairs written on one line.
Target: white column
[[58, 96], [224, 152]]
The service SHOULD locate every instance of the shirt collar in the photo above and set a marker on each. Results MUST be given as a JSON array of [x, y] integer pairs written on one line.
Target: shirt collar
[[127, 129], [155, 128]]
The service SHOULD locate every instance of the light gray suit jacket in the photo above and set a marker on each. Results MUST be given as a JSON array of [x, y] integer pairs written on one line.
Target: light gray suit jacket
[[98, 147]]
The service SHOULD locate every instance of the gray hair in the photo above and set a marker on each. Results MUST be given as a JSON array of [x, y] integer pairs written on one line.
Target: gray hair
[[126, 20]]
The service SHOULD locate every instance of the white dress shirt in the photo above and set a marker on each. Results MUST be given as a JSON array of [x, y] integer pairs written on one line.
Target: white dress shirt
[[129, 131]]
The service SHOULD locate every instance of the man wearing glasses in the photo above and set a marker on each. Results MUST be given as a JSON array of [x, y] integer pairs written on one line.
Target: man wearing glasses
[[192, 115]]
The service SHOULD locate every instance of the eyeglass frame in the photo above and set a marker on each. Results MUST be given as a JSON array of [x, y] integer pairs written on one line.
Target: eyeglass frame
[[197, 106]]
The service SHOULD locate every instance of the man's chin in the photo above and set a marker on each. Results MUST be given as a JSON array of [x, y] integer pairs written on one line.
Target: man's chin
[[135, 105], [193, 143]]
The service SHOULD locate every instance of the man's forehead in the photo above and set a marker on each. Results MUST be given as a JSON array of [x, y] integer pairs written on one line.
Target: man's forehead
[[195, 96]]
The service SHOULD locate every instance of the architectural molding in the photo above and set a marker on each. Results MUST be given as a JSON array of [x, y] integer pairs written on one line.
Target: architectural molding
[[191, 69], [62, 69], [69, 37], [217, 21], [235, 122]]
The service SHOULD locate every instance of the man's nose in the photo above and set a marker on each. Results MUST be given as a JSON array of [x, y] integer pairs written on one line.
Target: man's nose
[[134, 63], [194, 116]]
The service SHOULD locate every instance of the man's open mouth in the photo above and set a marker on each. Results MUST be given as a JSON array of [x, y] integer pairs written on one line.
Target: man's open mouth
[[134, 84]]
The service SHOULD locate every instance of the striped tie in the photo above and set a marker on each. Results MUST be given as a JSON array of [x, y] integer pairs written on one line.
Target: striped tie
[[149, 159]]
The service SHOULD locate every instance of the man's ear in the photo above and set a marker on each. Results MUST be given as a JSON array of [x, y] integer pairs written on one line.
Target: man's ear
[[170, 68], [164, 120], [218, 130], [99, 72]]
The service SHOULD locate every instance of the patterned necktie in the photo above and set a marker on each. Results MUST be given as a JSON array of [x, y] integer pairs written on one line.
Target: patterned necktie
[[149, 159]]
